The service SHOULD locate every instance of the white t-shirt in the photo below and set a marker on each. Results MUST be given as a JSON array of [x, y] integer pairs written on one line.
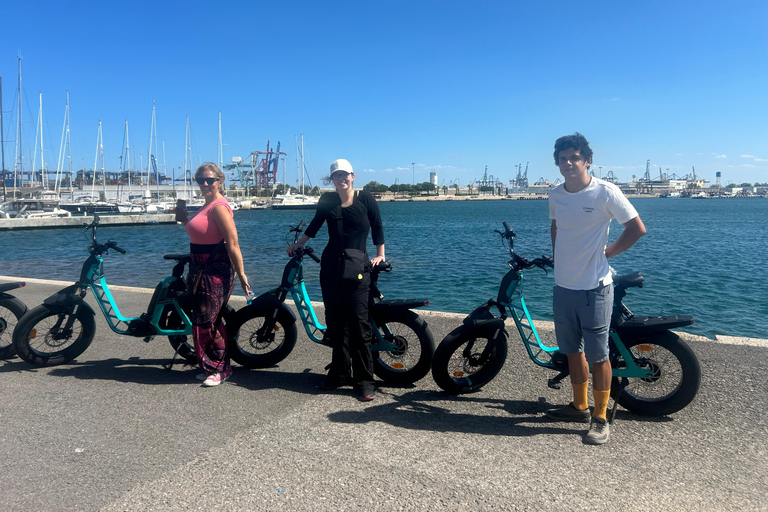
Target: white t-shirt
[[583, 219]]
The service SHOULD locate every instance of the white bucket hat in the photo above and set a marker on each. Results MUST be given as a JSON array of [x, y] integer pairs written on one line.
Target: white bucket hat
[[341, 165]]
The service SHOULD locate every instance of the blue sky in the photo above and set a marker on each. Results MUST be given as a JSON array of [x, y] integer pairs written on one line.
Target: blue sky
[[451, 86]]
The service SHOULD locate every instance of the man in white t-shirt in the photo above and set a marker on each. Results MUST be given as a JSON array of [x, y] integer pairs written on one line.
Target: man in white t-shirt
[[581, 210]]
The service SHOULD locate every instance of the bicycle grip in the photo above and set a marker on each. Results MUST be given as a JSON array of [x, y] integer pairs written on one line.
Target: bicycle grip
[[113, 245], [311, 253], [507, 229]]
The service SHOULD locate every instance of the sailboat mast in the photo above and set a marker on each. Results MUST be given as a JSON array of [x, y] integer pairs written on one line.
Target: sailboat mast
[[20, 146], [149, 150], [60, 162], [2, 135], [69, 150], [296, 142], [165, 173], [221, 145], [42, 154], [302, 163], [128, 158], [155, 154], [95, 161], [101, 154], [186, 161]]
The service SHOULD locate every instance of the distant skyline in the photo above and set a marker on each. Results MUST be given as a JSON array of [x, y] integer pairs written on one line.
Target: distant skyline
[[399, 88]]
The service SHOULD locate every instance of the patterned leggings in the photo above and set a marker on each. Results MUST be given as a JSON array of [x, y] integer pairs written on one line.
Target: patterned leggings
[[210, 298]]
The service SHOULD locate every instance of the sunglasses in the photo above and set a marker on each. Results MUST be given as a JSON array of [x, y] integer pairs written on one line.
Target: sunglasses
[[207, 181], [340, 175]]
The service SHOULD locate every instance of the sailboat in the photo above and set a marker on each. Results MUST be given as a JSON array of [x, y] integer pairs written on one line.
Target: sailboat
[[295, 201], [85, 203]]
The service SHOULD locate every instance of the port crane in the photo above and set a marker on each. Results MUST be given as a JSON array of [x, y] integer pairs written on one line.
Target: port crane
[[521, 180], [257, 170]]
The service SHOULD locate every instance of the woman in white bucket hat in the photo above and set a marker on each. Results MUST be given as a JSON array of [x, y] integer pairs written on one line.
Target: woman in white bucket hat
[[350, 217]]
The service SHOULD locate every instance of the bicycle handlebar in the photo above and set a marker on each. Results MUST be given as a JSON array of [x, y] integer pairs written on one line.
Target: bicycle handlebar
[[509, 235], [383, 266], [311, 253], [298, 229], [96, 247], [113, 245]]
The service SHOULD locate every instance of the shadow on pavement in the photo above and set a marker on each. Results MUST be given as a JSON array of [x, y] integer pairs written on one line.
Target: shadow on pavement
[[419, 410], [426, 410]]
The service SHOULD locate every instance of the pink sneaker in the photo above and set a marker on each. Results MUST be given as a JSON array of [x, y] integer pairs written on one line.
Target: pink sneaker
[[215, 379]]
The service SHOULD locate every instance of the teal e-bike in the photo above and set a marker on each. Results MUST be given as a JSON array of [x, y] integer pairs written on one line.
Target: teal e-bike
[[264, 332], [63, 326], [655, 373]]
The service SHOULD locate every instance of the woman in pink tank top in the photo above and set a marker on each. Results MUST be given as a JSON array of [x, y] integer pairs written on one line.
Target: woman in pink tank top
[[216, 258]]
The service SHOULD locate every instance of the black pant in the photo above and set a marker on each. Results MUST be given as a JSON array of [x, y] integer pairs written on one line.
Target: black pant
[[349, 327]]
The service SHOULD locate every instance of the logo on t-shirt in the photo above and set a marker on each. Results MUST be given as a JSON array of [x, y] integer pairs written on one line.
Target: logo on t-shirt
[[588, 209]]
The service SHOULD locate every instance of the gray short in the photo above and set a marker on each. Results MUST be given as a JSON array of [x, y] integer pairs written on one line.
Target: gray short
[[583, 321]]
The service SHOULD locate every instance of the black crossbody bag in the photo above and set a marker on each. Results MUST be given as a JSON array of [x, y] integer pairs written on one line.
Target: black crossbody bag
[[354, 263]]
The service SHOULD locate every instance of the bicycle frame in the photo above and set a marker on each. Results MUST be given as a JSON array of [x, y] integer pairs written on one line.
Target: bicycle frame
[[94, 279], [511, 302], [293, 283]]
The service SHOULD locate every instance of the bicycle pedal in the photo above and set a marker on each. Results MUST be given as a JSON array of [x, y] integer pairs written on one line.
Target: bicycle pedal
[[147, 339]]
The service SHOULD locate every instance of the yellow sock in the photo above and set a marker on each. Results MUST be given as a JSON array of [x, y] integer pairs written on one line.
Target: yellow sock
[[580, 395], [601, 403]]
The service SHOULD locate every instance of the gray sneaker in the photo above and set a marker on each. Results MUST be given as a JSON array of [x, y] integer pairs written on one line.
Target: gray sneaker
[[569, 413], [599, 431]]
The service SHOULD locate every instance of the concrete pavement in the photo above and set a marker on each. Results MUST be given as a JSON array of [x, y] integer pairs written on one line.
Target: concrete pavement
[[114, 431]]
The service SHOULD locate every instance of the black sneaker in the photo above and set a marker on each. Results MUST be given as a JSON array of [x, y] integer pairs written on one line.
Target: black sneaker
[[598, 433], [333, 382], [569, 413], [367, 392]]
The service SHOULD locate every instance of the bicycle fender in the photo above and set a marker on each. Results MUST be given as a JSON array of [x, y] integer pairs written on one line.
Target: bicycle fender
[[268, 301], [66, 298], [5, 287], [388, 304], [489, 323], [494, 325]]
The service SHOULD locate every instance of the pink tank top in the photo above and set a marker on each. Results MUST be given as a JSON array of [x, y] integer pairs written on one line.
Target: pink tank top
[[202, 228]]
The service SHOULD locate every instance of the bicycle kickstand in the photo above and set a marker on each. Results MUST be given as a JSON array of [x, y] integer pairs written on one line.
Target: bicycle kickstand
[[554, 382], [168, 367], [622, 385]]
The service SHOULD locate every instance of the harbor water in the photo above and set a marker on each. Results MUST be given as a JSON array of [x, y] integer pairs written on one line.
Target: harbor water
[[706, 258]]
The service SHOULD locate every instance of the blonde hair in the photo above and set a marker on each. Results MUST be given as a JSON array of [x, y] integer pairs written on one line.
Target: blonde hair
[[210, 166]]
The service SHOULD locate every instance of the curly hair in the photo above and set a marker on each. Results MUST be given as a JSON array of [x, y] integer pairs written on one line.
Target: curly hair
[[576, 142]]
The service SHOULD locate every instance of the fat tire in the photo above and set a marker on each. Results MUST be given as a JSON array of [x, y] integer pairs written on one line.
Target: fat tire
[[184, 345], [11, 311], [250, 350], [41, 319], [415, 329], [683, 393], [454, 343]]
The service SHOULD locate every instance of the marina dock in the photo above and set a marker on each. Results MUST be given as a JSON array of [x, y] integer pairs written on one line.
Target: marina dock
[[79, 221]]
